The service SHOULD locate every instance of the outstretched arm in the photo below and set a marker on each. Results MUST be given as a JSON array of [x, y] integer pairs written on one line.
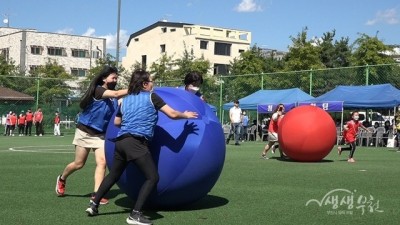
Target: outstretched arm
[[174, 114]]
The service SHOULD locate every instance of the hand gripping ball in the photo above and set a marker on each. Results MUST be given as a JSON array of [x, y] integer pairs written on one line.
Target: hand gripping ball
[[188, 164], [307, 134]]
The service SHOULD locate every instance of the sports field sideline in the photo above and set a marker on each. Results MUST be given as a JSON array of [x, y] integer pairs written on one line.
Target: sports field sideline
[[250, 190]]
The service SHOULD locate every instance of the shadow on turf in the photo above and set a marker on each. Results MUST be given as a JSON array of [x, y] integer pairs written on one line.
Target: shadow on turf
[[110, 195], [291, 160], [207, 202]]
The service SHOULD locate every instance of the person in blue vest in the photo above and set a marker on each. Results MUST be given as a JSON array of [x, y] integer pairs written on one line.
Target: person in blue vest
[[98, 105], [193, 81], [137, 116]]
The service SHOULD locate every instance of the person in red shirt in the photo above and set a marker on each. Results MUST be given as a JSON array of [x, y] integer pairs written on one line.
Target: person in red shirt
[[273, 131], [29, 122], [21, 123], [350, 135], [13, 123], [37, 120], [57, 125]]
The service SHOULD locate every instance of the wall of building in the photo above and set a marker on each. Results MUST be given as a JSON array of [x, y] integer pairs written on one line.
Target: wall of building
[[19, 43], [176, 39]]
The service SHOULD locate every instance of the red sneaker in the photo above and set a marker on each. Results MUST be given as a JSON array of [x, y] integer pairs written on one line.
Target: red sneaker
[[60, 186], [103, 201]]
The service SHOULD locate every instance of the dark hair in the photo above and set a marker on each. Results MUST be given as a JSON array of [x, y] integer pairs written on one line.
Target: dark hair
[[87, 98], [194, 78], [137, 79], [278, 107], [236, 101]]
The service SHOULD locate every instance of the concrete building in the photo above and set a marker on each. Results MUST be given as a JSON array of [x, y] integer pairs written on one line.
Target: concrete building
[[29, 49], [218, 45]]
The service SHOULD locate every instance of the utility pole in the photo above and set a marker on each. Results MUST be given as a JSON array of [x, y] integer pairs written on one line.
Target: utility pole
[[118, 28]]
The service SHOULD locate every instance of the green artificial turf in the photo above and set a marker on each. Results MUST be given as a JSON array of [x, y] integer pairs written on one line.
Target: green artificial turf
[[250, 190]]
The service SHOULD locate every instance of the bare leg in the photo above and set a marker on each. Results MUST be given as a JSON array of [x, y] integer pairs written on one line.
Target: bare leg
[[100, 170], [81, 155]]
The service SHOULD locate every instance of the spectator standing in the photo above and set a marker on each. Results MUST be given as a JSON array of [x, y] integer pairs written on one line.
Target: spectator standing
[[38, 121], [57, 121], [29, 122], [8, 124], [235, 115], [245, 125], [13, 123], [21, 123]]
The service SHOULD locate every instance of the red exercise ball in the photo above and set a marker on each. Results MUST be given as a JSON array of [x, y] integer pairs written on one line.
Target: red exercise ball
[[307, 134]]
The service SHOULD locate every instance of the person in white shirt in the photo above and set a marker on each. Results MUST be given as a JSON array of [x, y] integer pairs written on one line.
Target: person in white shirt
[[235, 115]]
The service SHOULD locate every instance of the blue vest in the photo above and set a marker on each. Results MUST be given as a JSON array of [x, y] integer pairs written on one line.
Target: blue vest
[[139, 117], [97, 115]]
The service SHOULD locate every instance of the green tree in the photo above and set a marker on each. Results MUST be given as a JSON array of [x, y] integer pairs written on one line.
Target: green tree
[[50, 82], [162, 68], [242, 80], [303, 54], [372, 51], [10, 76], [342, 53]]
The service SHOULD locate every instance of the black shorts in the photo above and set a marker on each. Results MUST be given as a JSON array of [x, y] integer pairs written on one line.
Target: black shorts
[[128, 147]]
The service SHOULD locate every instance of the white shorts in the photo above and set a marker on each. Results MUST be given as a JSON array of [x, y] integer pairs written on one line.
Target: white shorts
[[86, 140], [272, 136]]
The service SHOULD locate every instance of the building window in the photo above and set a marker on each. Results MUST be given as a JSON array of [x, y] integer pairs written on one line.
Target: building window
[[162, 47], [173, 30], [95, 54], [136, 39], [78, 72], [164, 29], [5, 52], [222, 49], [203, 44], [222, 69], [241, 50], [56, 51], [80, 53], [36, 50]]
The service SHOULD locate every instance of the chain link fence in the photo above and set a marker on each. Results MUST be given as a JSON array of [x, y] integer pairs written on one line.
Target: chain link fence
[[217, 90]]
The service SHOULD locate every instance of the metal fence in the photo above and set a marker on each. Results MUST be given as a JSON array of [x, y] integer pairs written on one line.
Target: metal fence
[[217, 90]]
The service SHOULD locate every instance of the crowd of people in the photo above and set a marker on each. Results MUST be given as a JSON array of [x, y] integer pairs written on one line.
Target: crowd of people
[[21, 124]]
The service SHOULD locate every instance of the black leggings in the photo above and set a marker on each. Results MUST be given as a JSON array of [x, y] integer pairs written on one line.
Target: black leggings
[[351, 148], [144, 164]]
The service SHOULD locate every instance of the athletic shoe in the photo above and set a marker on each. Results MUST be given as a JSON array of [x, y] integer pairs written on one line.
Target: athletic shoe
[[103, 201], [92, 210], [351, 160], [264, 156], [339, 150], [60, 186], [137, 217], [227, 141]]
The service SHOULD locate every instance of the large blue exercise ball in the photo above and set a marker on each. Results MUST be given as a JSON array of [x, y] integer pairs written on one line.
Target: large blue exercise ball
[[189, 164]]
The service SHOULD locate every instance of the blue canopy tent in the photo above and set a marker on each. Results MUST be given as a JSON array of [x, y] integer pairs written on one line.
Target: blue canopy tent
[[362, 97], [367, 97], [251, 101]]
